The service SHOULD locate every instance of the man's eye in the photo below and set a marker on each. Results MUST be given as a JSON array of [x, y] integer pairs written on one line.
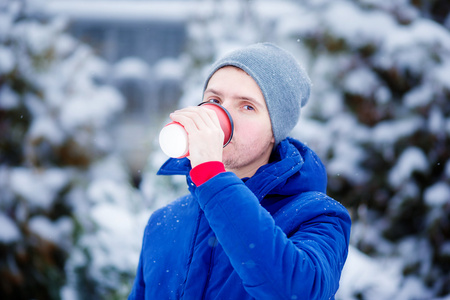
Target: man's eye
[[214, 101], [248, 107]]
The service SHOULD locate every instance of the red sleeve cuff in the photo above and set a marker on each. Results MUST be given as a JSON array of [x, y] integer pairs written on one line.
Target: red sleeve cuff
[[205, 171]]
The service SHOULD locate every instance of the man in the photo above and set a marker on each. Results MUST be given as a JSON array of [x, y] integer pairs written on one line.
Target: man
[[257, 223]]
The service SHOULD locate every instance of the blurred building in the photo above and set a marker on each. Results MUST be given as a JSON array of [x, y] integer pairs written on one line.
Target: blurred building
[[135, 37], [142, 41]]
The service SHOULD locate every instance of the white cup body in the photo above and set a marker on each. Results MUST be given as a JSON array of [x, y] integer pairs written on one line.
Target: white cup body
[[173, 140]]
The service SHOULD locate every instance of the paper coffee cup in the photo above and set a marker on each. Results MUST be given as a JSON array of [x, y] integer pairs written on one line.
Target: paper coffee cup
[[173, 138], [226, 122]]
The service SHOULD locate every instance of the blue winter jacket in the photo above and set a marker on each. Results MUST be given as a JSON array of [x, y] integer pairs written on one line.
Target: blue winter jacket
[[275, 235]]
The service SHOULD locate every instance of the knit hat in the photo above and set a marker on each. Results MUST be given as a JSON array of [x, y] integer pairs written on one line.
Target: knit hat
[[283, 82]]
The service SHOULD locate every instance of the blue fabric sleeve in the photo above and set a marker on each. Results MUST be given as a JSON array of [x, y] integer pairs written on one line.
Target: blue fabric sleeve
[[305, 265], [138, 290]]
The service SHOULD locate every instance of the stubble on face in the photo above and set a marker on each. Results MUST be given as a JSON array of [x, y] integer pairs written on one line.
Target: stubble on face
[[239, 156]]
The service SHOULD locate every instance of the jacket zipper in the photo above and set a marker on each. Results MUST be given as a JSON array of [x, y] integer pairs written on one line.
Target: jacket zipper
[[211, 264], [194, 241]]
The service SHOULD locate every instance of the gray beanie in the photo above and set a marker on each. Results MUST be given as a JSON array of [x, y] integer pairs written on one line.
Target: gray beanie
[[283, 82]]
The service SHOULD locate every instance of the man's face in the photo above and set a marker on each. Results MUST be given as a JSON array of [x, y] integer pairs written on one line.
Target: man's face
[[253, 140]]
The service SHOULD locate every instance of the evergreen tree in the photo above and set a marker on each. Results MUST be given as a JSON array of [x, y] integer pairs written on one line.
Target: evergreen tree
[[380, 116], [63, 190]]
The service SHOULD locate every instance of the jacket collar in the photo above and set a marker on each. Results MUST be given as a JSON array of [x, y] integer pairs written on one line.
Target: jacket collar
[[293, 169], [175, 166]]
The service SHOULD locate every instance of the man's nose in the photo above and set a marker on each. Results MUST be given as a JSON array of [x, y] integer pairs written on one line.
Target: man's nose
[[227, 105]]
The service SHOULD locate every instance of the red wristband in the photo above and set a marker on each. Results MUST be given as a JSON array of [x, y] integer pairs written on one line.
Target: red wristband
[[205, 171]]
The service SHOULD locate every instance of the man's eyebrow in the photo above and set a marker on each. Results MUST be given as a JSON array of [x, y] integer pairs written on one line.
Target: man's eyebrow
[[209, 90]]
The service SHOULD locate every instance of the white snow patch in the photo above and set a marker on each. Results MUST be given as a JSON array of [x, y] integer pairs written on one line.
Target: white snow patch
[[131, 68], [111, 168], [440, 73], [91, 110], [383, 95], [108, 191], [6, 22], [411, 160], [388, 132], [346, 162], [35, 105], [9, 232], [419, 96], [170, 69], [361, 81], [314, 134], [8, 98], [38, 37], [113, 218], [357, 26], [345, 126], [46, 128], [116, 241], [57, 232], [436, 120], [420, 32], [64, 45], [38, 188], [375, 279], [438, 194], [330, 102], [7, 60]]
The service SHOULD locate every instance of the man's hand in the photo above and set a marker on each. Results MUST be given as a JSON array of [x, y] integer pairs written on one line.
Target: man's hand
[[205, 135]]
